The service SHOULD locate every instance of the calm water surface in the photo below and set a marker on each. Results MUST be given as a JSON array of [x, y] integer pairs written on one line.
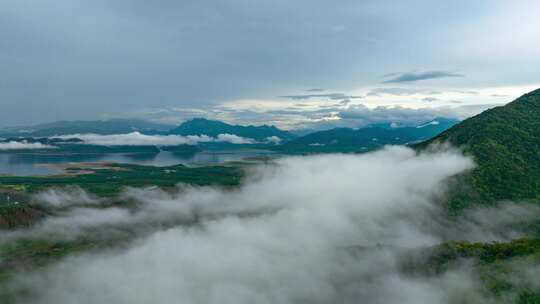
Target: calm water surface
[[36, 164]]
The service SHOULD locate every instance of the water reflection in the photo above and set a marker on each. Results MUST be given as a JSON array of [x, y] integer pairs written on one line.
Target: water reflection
[[36, 164]]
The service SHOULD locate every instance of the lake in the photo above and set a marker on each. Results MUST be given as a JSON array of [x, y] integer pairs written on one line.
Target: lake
[[36, 164]]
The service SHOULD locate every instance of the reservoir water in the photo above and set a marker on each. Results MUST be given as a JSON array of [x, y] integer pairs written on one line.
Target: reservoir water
[[40, 164]]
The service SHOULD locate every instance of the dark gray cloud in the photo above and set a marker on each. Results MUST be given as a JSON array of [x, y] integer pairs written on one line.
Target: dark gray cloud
[[331, 96], [411, 77]]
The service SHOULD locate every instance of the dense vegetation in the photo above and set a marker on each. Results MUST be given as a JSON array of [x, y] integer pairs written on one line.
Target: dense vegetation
[[16, 215], [500, 267], [505, 143], [28, 255]]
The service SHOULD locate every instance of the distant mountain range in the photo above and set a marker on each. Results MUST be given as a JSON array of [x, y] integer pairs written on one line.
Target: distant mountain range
[[505, 143], [329, 141], [104, 127], [196, 126], [365, 139]]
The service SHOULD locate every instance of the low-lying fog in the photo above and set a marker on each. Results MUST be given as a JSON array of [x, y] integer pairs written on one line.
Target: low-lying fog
[[137, 138], [317, 229]]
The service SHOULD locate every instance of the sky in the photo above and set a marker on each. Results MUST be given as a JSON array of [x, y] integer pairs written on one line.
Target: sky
[[295, 64]]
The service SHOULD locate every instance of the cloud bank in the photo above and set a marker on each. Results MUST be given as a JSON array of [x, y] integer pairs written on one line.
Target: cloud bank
[[271, 241], [137, 138], [234, 139], [360, 115], [16, 145]]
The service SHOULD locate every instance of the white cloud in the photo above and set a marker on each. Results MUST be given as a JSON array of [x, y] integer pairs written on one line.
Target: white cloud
[[73, 196], [273, 139], [234, 139], [136, 138], [16, 145], [431, 123]]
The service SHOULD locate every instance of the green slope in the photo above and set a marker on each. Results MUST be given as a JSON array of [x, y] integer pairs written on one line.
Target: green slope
[[505, 143]]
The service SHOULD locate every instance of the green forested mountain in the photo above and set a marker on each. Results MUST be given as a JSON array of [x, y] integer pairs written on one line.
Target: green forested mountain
[[505, 143], [213, 128]]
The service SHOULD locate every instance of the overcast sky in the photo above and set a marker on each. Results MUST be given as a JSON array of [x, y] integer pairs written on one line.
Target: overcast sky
[[290, 63]]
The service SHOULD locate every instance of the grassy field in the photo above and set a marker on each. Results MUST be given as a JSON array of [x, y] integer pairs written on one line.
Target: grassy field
[[109, 180]]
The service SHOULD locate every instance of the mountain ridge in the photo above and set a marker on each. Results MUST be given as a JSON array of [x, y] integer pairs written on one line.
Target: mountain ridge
[[213, 128]]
